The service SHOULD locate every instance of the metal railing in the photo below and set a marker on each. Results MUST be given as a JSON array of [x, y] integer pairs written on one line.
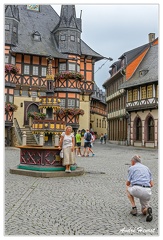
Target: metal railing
[[18, 131]]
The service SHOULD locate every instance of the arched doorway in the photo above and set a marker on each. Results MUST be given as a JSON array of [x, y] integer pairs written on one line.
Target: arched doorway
[[30, 107]]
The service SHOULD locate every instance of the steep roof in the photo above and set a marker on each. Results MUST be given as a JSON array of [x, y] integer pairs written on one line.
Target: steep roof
[[149, 66], [42, 22], [132, 54]]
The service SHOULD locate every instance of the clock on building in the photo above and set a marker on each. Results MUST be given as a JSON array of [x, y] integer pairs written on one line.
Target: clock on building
[[34, 7]]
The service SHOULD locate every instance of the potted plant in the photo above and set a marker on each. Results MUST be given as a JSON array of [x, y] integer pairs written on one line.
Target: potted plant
[[37, 115], [70, 111], [69, 75], [10, 68], [10, 107]]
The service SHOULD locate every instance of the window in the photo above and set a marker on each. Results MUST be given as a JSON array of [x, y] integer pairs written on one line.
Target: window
[[78, 68], [26, 69], [37, 36], [62, 67], [33, 7], [43, 71], [143, 93], [149, 91], [11, 98], [97, 123], [157, 91], [71, 102], [12, 60], [63, 37], [150, 129], [35, 70], [130, 96], [77, 103], [6, 59], [71, 66], [72, 38], [135, 94], [138, 130], [14, 29], [62, 103], [7, 27]]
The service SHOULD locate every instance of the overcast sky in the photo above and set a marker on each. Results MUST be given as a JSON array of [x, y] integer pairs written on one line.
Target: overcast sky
[[112, 30]]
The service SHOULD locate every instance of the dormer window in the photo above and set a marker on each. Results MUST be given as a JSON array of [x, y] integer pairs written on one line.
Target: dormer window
[[123, 62], [72, 38], [37, 36], [63, 37], [143, 72], [33, 7]]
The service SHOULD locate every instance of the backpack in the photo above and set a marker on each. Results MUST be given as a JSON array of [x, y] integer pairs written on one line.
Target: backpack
[[88, 137]]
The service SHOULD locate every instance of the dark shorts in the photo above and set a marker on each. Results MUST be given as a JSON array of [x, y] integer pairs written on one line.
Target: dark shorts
[[87, 144], [78, 144]]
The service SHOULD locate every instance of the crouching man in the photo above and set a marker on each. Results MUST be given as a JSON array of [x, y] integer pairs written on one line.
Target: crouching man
[[139, 185]]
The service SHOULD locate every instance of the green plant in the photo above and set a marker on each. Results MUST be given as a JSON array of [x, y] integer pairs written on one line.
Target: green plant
[[37, 115], [69, 75]]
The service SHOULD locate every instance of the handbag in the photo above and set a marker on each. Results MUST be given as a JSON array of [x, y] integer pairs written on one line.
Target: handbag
[[61, 154]]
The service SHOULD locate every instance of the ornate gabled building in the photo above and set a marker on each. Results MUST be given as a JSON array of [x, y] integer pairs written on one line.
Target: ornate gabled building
[[32, 34], [121, 71], [142, 101]]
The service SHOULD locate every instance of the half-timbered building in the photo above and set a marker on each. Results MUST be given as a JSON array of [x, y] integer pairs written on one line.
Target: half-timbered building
[[121, 71], [32, 34], [142, 101]]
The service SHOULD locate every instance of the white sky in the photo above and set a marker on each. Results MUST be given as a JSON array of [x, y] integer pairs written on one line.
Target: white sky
[[112, 29]]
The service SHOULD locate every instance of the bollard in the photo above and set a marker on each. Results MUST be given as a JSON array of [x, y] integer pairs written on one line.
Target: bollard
[[56, 141], [41, 140], [24, 140]]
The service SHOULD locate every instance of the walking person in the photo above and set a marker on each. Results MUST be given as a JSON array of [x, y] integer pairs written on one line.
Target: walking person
[[101, 138], [91, 144], [67, 144], [87, 142], [139, 185], [78, 143], [105, 136]]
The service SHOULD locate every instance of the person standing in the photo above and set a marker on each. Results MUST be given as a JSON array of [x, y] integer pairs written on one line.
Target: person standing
[[101, 138], [105, 136], [139, 185], [87, 142], [67, 144], [78, 142]]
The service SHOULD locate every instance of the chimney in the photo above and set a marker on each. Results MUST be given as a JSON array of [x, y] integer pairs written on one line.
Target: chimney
[[151, 37]]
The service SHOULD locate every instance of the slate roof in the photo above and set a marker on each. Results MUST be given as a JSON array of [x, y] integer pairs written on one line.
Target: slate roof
[[43, 22], [129, 56], [150, 65]]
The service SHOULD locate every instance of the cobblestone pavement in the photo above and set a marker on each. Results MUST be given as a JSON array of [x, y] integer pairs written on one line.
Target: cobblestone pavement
[[92, 204]]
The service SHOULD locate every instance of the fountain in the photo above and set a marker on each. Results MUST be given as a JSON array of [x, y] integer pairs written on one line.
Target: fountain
[[44, 160]]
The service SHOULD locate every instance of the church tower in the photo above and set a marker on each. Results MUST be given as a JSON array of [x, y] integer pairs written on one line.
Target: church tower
[[67, 33], [11, 24]]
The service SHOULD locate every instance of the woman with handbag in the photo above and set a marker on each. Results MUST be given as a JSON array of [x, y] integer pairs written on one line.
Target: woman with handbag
[[67, 143]]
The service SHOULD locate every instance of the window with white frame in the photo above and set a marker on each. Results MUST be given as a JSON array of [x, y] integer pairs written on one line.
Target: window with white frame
[[62, 67], [35, 70], [26, 69], [43, 71], [71, 102], [13, 60], [6, 59], [71, 67], [62, 103]]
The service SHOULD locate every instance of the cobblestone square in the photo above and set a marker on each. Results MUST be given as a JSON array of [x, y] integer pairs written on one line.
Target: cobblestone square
[[92, 204]]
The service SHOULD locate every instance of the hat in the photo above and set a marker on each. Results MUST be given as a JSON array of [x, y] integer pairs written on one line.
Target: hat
[[136, 158]]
